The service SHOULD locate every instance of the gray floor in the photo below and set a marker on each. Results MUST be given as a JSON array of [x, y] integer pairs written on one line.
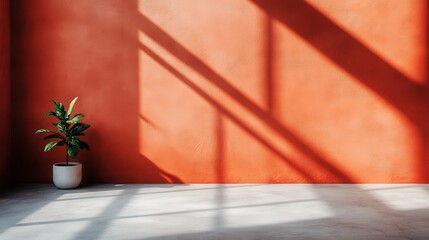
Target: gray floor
[[211, 211]]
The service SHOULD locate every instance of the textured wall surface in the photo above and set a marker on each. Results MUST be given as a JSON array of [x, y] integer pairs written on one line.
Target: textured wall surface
[[4, 91], [227, 91]]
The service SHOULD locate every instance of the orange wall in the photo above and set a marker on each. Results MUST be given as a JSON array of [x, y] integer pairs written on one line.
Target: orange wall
[[227, 91], [4, 91]]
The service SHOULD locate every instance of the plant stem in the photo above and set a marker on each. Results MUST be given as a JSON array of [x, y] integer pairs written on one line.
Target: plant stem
[[67, 158]]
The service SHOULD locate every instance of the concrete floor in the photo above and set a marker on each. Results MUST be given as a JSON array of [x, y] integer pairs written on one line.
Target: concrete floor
[[211, 211]]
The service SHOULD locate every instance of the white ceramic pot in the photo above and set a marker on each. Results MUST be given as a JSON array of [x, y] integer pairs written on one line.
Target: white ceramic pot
[[67, 177]]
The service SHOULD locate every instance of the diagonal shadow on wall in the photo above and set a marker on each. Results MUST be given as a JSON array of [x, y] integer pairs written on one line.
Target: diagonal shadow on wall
[[172, 46], [410, 98]]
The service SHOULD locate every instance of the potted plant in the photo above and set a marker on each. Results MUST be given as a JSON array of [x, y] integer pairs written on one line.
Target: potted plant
[[66, 174]]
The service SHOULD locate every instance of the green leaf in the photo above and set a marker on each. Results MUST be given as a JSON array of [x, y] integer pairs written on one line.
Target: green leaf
[[71, 106], [50, 145], [59, 110], [57, 104], [62, 127], [54, 136], [74, 141], [78, 128], [43, 131], [50, 114], [61, 114], [76, 118], [72, 151], [83, 145]]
